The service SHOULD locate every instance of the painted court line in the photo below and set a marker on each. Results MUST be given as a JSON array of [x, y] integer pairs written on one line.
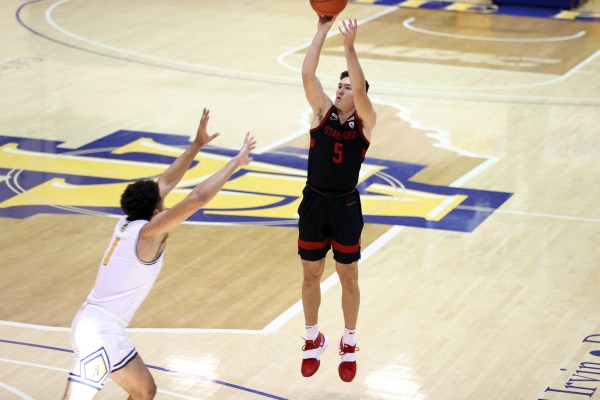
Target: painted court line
[[435, 92], [169, 371], [50, 20], [272, 327], [408, 25], [15, 391]]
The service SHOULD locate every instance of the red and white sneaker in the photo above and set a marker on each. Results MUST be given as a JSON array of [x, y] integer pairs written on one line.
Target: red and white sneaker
[[311, 356], [347, 368]]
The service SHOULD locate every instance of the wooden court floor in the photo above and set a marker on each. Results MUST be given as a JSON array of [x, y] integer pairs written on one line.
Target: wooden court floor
[[479, 276]]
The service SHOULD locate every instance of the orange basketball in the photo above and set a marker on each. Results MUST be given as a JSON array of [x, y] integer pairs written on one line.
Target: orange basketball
[[329, 8]]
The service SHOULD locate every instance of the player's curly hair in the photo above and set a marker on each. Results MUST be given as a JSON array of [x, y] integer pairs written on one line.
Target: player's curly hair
[[345, 74], [140, 199]]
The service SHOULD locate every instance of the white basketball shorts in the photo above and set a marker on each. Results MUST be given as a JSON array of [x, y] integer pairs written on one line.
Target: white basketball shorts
[[101, 346]]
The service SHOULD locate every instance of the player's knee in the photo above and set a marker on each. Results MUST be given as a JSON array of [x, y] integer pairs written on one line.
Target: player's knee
[[349, 284], [311, 279], [348, 278], [152, 391], [149, 392]]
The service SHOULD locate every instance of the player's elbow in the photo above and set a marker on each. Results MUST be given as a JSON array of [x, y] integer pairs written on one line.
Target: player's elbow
[[308, 75], [199, 198]]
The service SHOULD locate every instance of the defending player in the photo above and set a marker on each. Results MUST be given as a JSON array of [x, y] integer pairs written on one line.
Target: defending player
[[129, 269]]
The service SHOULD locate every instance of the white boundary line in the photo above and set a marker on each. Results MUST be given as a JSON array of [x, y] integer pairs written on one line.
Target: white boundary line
[[304, 121], [551, 81], [335, 32], [543, 215], [445, 89], [291, 312], [50, 20], [407, 24], [63, 370], [272, 327], [437, 90], [16, 391]]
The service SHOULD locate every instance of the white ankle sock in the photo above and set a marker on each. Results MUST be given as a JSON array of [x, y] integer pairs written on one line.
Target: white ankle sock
[[312, 331], [349, 336]]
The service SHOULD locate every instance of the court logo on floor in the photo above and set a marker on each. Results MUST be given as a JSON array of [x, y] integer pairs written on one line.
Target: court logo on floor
[[42, 176]]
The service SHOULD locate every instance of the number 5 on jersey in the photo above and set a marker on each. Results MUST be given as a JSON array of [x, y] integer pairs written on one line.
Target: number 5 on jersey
[[338, 152]]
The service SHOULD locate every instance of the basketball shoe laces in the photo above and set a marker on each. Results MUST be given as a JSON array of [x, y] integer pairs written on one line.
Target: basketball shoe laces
[[311, 344], [348, 349]]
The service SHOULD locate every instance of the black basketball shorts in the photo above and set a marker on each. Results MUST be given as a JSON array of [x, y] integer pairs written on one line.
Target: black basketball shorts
[[327, 221]]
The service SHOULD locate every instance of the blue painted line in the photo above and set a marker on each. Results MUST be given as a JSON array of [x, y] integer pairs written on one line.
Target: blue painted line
[[220, 383], [36, 345], [170, 371], [519, 10]]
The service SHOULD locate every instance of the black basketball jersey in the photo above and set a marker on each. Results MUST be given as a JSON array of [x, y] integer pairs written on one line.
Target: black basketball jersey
[[336, 153]]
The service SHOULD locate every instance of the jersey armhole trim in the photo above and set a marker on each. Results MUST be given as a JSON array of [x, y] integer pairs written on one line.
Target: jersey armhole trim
[[325, 117], [137, 239]]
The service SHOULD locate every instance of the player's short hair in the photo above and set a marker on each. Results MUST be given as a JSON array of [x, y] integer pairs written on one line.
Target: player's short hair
[[140, 199], [345, 74]]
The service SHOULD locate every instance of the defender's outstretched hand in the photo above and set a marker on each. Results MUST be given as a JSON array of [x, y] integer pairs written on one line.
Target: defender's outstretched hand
[[248, 145], [202, 136]]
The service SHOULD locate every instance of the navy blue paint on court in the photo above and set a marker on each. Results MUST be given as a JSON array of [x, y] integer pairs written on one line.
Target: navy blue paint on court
[[502, 9], [478, 205]]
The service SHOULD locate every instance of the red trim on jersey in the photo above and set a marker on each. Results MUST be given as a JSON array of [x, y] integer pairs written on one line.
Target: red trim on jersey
[[312, 142], [345, 249], [324, 120], [303, 244], [357, 118]]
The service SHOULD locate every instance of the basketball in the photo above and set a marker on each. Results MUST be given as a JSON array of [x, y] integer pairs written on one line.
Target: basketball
[[329, 8]]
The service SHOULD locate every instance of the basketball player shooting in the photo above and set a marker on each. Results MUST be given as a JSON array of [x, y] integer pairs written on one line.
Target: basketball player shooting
[[129, 269], [330, 211]]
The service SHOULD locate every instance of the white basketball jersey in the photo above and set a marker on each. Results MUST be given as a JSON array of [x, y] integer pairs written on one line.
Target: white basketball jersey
[[124, 281]]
